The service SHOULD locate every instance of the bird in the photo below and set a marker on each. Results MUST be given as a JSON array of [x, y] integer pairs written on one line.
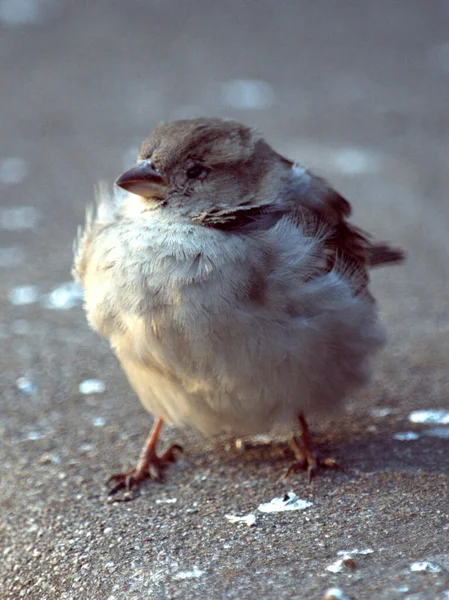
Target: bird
[[232, 287]]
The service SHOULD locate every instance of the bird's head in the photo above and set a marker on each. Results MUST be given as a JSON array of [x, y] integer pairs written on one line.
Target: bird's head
[[206, 167]]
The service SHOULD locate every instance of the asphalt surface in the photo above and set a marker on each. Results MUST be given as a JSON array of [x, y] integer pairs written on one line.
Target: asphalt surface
[[360, 92]]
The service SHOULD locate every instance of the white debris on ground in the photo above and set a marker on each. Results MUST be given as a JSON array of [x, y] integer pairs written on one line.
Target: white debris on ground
[[355, 552], [337, 566], [35, 435], [432, 417], [19, 218], [406, 436], [347, 561], [249, 519], [98, 421], [402, 589], [65, 296], [380, 412], [166, 500], [424, 567], [335, 594], [12, 170], [247, 94], [288, 502], [91, 386], [86, 448], [26, 385], [195, 573], [24, 294]]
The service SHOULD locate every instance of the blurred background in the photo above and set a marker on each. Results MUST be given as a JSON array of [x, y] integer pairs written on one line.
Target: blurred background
[[358, 91]]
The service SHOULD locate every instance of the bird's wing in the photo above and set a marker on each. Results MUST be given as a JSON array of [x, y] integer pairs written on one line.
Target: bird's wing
[[312, 205], [319, 208]]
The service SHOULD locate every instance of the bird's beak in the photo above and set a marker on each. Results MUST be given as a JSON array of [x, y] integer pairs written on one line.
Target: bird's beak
[[144, 179]]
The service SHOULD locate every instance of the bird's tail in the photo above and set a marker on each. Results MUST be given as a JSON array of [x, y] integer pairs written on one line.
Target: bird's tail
[[382, 254]]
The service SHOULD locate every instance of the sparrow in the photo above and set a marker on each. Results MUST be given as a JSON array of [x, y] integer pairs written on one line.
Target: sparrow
[[232, 288]]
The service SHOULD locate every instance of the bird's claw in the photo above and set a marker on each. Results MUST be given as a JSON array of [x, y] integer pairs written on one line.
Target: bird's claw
[[152, 468], [306, 458]]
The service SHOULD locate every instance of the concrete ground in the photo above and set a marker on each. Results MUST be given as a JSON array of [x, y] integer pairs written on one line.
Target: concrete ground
[[360, 92]]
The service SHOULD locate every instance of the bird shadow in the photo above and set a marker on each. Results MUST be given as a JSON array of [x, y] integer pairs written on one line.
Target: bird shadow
[[355, 451]]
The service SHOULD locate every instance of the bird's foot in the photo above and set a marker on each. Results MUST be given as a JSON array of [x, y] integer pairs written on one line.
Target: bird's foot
[[306, 457], [307, 460], [149, 466]]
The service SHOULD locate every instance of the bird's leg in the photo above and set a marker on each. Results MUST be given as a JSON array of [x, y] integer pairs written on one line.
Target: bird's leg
[[306, 458], [150, 464]]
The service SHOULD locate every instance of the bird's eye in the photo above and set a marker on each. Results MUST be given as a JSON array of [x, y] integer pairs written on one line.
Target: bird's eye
[[195, 172]]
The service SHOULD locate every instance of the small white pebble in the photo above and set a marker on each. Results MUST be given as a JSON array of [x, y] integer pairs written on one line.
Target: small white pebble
[[247, 94], [19, 218], [98, 421], [64, 297], [23, 295], [108, 530], [86, 448], [91, 386], [431, 417], [12, 170], [35, 435], [26, 386], [380, 412], [337, 566], [355, 552], [288, 502], [406, 436], [424, 567], [249, 519], [335, 594], [195, 573]]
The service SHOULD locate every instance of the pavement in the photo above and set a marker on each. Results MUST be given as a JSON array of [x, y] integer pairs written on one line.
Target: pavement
[[359, 92]]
